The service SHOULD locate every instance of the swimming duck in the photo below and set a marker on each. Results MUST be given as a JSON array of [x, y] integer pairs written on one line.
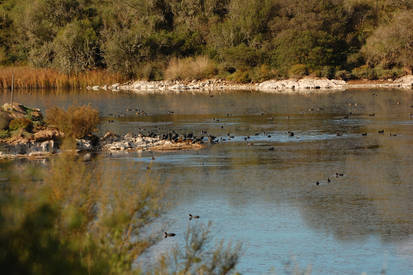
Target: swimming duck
[[166, 234], [193, 217]]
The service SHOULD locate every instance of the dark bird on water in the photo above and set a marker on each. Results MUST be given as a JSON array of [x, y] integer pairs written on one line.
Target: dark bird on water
[[328, 180], [193, 217], [166, 234], [317, 183], [381, 131], [291, 134]]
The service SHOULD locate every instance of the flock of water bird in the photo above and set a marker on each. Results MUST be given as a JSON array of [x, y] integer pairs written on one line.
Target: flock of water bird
[[191, 217]]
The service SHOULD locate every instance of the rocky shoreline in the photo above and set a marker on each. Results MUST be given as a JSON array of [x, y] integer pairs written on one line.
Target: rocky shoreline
[[110, 143], [40, 141], [278, 86]]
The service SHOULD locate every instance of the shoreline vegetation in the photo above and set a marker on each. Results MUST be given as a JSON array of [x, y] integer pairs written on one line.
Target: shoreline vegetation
[[28, 78]]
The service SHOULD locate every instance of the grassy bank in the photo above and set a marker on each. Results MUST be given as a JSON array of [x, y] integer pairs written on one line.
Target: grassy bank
[[186, 69], [39, 78]]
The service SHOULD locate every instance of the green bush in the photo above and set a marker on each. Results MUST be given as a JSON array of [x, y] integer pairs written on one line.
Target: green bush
[[392, 73], [21, 123], [343, 75], [262, 73], [241, 76], [4, 134], [364, 72], [298, 71], [76, 47], [241, 56]]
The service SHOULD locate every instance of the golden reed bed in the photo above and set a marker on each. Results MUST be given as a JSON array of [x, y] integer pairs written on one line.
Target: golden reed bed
[[26, 77]]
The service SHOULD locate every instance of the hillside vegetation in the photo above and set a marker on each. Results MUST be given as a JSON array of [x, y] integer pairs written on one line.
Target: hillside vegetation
[[241, 40]]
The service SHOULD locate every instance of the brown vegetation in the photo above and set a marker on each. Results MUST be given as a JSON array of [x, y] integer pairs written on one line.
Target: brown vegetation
[[197, 68], [40, 78], [76, 122]]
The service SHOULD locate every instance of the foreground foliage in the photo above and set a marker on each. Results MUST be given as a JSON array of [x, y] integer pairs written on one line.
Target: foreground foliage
[[88, 218], [77, 222]]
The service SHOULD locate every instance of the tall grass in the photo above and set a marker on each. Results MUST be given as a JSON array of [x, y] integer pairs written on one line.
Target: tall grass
[[197, 68], [40, 78]]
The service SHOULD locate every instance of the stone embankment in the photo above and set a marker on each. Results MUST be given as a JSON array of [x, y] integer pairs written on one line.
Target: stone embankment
[[299, 85]]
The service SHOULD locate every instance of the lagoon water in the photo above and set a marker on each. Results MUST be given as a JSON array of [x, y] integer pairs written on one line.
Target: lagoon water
[[262, 192]]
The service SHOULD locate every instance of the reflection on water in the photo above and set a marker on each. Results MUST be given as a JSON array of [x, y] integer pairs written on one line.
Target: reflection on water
[[258, 185]]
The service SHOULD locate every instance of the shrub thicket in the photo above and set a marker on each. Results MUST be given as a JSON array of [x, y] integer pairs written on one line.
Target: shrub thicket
[[126, 35]]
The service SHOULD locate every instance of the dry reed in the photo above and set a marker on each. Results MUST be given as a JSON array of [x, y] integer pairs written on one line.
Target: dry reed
[[197, 68], [40, 78]]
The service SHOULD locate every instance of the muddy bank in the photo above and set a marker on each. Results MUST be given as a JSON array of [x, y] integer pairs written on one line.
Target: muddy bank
[[298, 85]]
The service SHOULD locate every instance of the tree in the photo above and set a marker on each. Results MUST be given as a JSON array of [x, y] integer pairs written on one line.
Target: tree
[[392, 44], [76, 47]]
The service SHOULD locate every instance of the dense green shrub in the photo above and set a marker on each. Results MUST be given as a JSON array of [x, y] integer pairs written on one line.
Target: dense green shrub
[[4, 134], [392, 73], [298, 71], [343, 75], [364, 72], [262, 73], [241, 76], [76, 47], [21, 123]]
